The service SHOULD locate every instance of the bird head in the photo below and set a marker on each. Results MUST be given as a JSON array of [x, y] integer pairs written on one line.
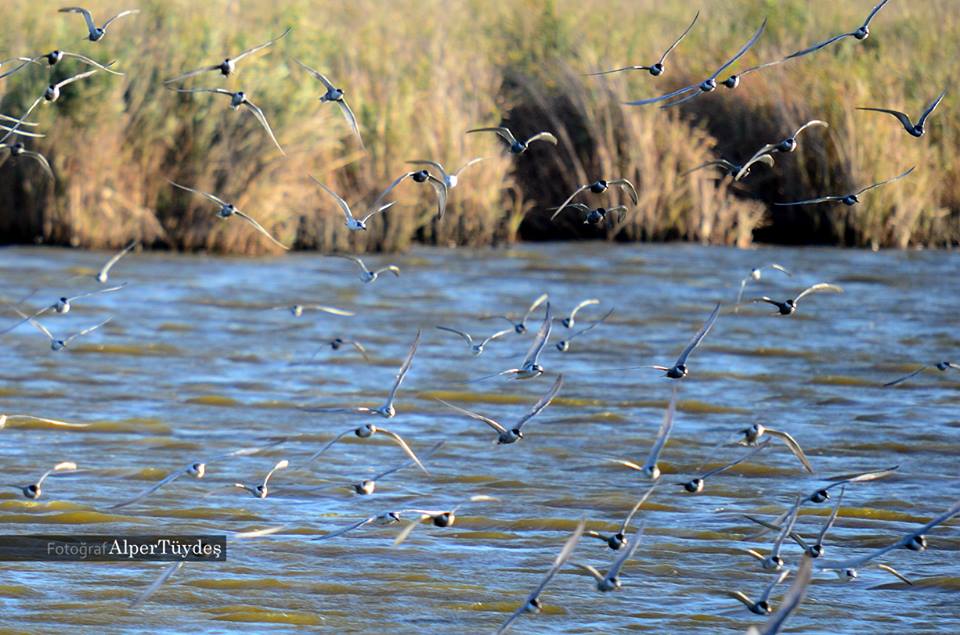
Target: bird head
[[563, 346], [732, 82], [708, 85], [197, 470], [917, 543], [656, 70], [820, 496], [421, 176], [694, 486], [32, 491], [598, 187], [444, 520], [517, 432]]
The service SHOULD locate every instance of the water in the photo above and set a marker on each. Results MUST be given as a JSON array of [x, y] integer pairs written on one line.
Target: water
[[194, 365]]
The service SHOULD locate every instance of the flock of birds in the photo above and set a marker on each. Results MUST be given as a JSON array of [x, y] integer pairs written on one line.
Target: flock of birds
[[757, 438]]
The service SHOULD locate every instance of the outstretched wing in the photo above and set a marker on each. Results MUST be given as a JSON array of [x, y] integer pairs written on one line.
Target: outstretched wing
[[465, 336], [263, 122], [118, 16], [260, 47], [190, 189], [533, 355], [702, 333], [405, 368], [891, 180], [567, 202], [742, 51], [905, 377], [933, 106], [543, 136], [679, 39], [663, 434], [473, 415], [818, 46], [542, 403], [818, 288], [260, 229], [351, 119], [150, 590], [502, 132], [794, 447], [91, 26]]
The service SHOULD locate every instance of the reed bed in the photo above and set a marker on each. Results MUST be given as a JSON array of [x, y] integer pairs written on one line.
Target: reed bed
[[419, 74]]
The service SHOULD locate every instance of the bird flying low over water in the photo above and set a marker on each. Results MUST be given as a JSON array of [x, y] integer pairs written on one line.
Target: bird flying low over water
[[611, 580], [366, 431], [708, 85], [657, 68], [773, 561], [521, 326], [599, 214], [791, 600], [62, 305], [96, 33], [848, 199], [369, 486], [229, 209], [352, 223], [335, 95], [816, 549], [789, 306], [60, 344], [449, 178], [650, 469], [476, 347], [52, 59], [33, 491], [752, 434], [104, 273], [382, 519], [941, 366], [762, 605], [915, 129], [515, 146], [420, 176], [530, 366], [564, 345], [439, 517], [569, 321], [238, 99], [756, 274], [512, 435], [679, 369], [861, 33], [618, 540], [598, 187], [696, 485], [229, 64], [366, 274], [260, 490]]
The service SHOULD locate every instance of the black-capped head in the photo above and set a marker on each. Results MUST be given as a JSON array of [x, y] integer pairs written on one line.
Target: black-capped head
[[656, 70], [917, 543], [761, 608], [31, 491], [536, 604], [517, 432], [708, 85], [563, 346], [851, 199], [520, 328], [443, 520], [787, 145], [694, 486], [17, 148], [815, 551], [336, 343], [394, 516], [598, 187], [617, 541], [517, 147], [820, 496], [862, 33], [421, 176], [732, 82]]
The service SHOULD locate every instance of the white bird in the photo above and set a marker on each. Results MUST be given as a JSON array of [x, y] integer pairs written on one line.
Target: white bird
[[785, 146], [439, 517], [679, 369], [369, 486], [611, 580], [260, 490], [530, 366], [476, 348], [533, 604], [791, 600], [352, 223], [449, 178], [104, 273], [816, 549], [861, 33], [755, 275], [229, 209], [521, 326], [96, 33], [237, 99], [367, 275], [569, 321], [58, 344], [762, 605], [752, 434], [387, 410], [335, 95], [366, 431], [33, 491], [62, 305], [229, 64], [50, 94], [512, 435], [773, 561], [789, 306], [708, 85], [618, 540], [650, 469]]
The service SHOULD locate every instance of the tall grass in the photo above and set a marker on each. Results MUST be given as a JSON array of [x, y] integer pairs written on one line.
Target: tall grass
[[419, 74]]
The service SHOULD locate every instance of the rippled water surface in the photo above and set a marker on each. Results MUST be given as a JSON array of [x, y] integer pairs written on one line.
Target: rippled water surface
[[194, 364]]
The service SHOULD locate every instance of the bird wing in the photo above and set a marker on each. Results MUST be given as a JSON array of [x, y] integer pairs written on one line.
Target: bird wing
[[36, 324], [340, 532], [279, 466], [163, 577], [756, 158], [382, 208], [219, 91], [253, 50], [316, 455], [89, 329], [496, 335], [360, 349], [106, 268], [400, 179], [702, 333], [894, 572], [465, 336], [328, 309], [355, 259], [118, 16], [433, 164], [405, 447], [473, 415], [591, 570], [441, 189], [592, 325], [582, 304], [75, 78], [905, 377], [405, 532], [22, 120], [466, 165], [617, 70], [775, 527], [636, 508], [59, 467], [787, 527], [190, 189], [630, 464], [405, 368], [23, 62], [810, 124], [876, 10], [822, 199], [902, 117], [743, 458], [351, 118], [263, 122], [260, 229], [742, 51], [933, 106], [629, 187], [50, 421], [780, 578], [683, 100], [635, 541], [664, 433], [679, 39], [543, 334], [97, 292], [747, 602], [87, 60], [862, 476], [193, 73], [832, 518], [791, 600], [542, 403], [542, 136], [166, 480], [567, 202], [653, 100], [503, 132], [91, 26], [342, 203], [818, 46], [723, 163], [320, 76], [817, 288], [876, 185], [794, 447], [42, 160]]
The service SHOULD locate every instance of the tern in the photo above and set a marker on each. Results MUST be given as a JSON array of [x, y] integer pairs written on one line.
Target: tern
[[611, 581], [387, 411], [50, 94], [569, 321], [237, 99], [450, 179], [533, 603], [197, 469], [696, 485], [752, 434], [598, 187], [33, 491], [521, 326], [564, 345], [619, 540], [352, 223], [650, 469], [512, 435], [420, 176], [530, 366], [104, 273], [655, 69], [439, 517], [382, 519], [789, 306], [337, 342], [942, 366], [791, 600], [915, 129], [816, 549], [731, 168], [762, 605], [367, 275], [229, 209], [515, 146], [774, 562], [708, 85], [476, 347], [785, 146], [679, 369], [261, 490], [52, 59], [847, 199], [229, 64], [369, 486], [366, 431], [755, 275], [296, 310], [96, 33], [58, 344], [19, 150], [597, 215], [62, 305], [861, 33], [335, 95]]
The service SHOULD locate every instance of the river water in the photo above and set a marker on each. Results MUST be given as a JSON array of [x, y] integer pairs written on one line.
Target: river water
[[194, 364]]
